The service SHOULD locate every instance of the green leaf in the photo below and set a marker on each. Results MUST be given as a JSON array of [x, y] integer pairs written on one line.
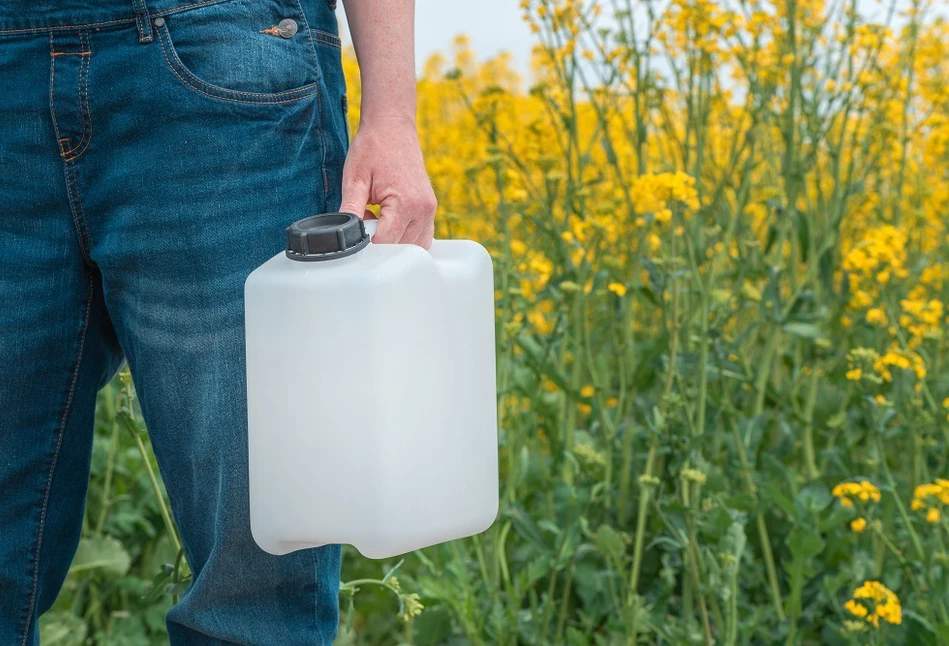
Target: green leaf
[[919, 632], [539, 568], [803, 235], [527, 528], [610, 543], [101, 553], [804, 543], [433, 626], [774, 494], [60, 628], [814, 498], [802, 330]]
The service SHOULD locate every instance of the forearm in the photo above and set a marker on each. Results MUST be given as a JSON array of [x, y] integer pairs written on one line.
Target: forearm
[[383, 33]]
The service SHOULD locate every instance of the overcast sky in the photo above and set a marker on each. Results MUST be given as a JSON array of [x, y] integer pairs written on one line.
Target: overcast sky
[[496, 25], [492, 25]]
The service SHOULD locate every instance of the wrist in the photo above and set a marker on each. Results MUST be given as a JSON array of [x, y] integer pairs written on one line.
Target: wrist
[[387, 118]]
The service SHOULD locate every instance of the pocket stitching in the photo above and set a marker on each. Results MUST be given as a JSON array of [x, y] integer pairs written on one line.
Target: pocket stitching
[[217, 92], [326, 38]]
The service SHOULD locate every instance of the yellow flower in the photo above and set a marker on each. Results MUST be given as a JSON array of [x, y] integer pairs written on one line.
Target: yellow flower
[[855, 374], [931, 497], [855, 608], [858, 524], [873, 601], [617, 288], [863, 491], [876, 316], [654, 242], [587, 391], [411, 606]]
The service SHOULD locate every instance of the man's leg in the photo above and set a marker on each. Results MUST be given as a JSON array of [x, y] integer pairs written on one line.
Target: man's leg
[[187, 194], [57, 348]]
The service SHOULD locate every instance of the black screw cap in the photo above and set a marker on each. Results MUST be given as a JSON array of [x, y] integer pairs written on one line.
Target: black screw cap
[[326, 237]]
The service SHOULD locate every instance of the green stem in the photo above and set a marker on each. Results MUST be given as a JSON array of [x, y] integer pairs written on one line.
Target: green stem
[[645, 488], [810, 460], [763, 536], [166, 516]]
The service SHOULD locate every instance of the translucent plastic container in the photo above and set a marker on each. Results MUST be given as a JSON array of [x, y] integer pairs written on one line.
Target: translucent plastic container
[[371, 391]]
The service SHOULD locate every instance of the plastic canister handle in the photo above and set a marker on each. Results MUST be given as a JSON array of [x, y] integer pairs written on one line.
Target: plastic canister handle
[[370, 224]]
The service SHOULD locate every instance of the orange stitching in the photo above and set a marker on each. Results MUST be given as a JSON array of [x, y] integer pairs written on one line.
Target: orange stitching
[[187, 6], [70, 53], [138, 24], [143, 22], [82, 119], [52, 99], [103, 23], [257, 98], [81, 219], [214, 88], [52, 466], [273, 31], [79, 215], [30, 30], [85, 114]]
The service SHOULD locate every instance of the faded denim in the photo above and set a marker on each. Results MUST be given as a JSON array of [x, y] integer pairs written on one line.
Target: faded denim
[[151, 154]]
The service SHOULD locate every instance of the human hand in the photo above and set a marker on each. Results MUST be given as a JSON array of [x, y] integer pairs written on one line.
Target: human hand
[[385, 167]]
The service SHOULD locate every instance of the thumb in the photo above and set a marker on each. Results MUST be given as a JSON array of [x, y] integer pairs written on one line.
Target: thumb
[[355, 195]]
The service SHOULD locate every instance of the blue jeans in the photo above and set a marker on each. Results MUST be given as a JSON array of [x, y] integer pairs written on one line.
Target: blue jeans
[[151, 154]]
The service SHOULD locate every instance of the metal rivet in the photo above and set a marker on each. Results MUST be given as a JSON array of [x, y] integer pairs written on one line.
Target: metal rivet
[[159, 21], [287, 28]]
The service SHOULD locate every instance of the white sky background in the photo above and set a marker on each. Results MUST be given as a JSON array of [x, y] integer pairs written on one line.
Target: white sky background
[[496, 26]]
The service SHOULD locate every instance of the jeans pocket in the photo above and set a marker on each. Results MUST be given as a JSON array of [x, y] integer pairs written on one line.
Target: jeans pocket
[[249, 51]]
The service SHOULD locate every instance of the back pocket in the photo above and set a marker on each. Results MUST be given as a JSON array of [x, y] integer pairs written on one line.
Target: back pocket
[[252, 51]]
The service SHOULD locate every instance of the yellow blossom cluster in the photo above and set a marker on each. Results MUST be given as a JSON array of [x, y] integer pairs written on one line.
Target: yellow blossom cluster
[[921, 318], [657, 192], [896, 357], [873, 602], [873, 262], [860, 364], [699, 24], [863, 491], [930, 498]]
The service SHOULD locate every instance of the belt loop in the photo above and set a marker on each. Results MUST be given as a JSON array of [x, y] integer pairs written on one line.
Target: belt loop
[[143, 21]]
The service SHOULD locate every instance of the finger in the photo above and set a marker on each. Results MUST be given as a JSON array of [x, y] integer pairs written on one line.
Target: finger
[[422, 216], [427, 236], [412, 232], [355, 194], [391, 227]]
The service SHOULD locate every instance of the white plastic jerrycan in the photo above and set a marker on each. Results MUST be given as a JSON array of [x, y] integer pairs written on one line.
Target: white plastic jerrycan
[[371, 391]]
